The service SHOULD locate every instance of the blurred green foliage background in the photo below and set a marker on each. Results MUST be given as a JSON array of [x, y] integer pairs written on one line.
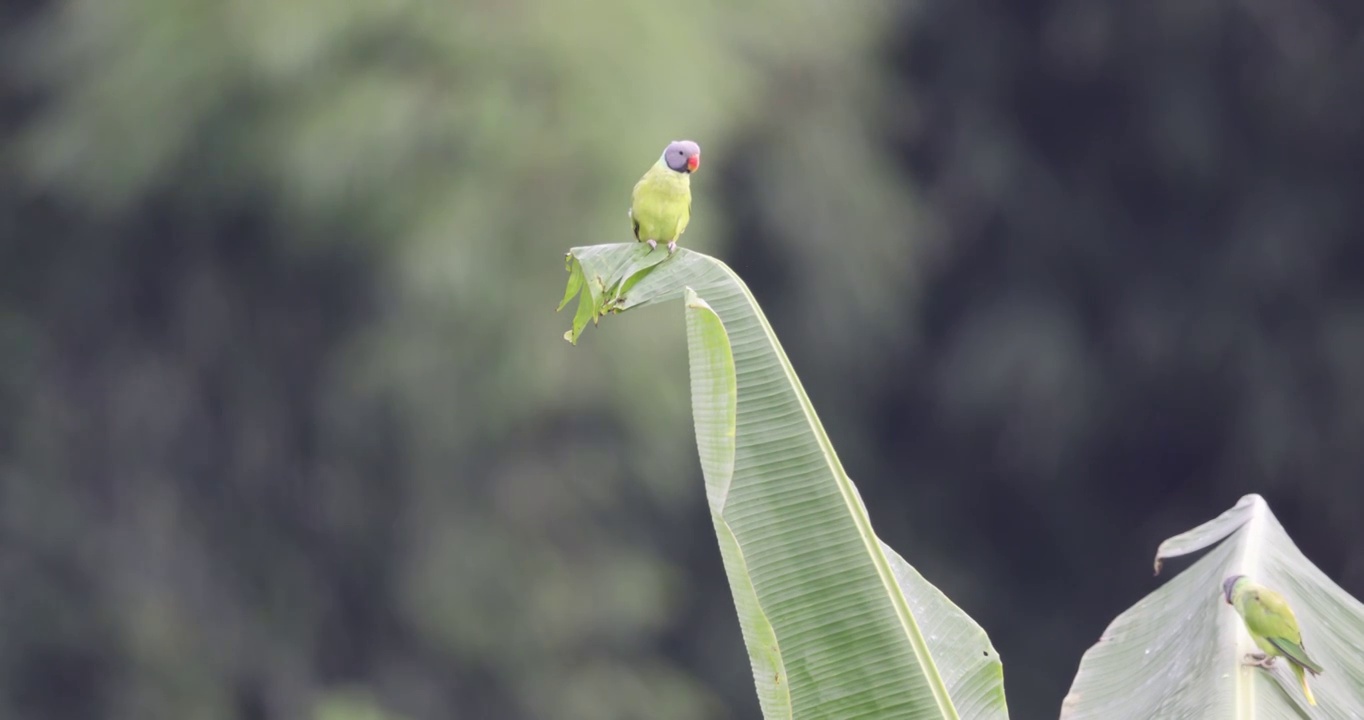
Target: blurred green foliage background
[[288, 429]]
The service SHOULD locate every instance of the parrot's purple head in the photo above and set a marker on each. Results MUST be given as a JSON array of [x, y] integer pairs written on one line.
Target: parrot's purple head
[[684, 156], [1229, 585]]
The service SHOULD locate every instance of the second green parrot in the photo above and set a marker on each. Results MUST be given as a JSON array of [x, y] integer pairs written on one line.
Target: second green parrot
[[660, 206], [1272, 626]]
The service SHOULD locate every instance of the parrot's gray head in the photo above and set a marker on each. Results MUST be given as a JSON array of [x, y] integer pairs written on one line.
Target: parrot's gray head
[[684, 156], [1229, 585]]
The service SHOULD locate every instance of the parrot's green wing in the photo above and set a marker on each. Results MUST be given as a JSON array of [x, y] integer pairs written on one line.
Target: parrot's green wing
[[1268, 615], [1294, 652]]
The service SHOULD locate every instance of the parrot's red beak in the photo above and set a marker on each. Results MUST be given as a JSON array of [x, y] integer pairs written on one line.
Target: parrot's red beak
[[693, 162]]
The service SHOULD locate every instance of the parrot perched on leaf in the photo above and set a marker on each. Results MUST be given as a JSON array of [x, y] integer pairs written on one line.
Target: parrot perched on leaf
[[1272, 626], [660, 205]]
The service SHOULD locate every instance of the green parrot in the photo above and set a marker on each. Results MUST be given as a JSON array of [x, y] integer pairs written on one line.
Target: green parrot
[[660, 205], [1272, 626]]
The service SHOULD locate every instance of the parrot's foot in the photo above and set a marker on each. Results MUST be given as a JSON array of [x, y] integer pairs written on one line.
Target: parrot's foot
[[1259, 659], [672, 247], [653, 244]]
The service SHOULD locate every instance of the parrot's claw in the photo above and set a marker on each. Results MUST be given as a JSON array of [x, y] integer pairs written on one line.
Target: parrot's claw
[[1259, 659], [653, 244], [672, 247]]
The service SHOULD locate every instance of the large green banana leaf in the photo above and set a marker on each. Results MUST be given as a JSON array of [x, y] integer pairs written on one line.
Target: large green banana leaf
[[1178, 653], [836, 624]]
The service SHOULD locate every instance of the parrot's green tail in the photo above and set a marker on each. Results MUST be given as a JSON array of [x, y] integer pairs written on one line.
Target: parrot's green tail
[[1302, 679]]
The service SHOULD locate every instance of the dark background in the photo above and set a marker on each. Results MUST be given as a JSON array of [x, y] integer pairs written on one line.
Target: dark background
[[287, 429]]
